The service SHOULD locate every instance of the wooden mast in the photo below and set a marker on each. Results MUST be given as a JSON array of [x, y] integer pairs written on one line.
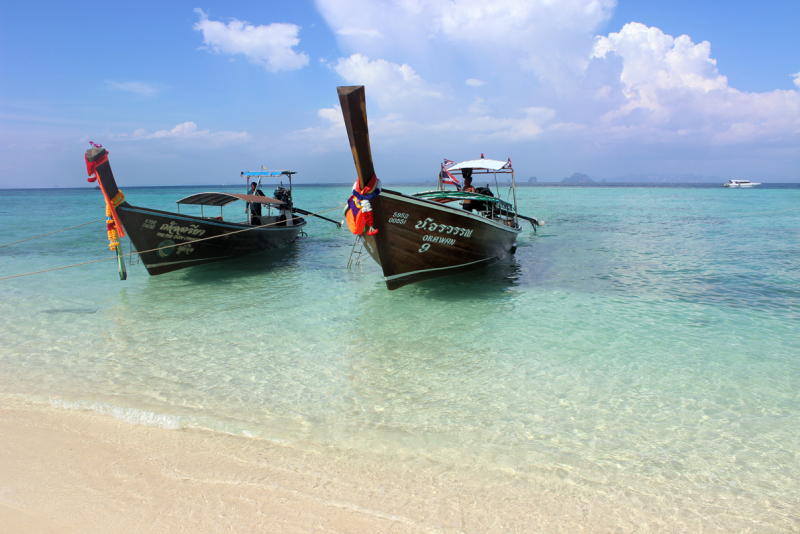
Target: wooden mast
[[354, 110]]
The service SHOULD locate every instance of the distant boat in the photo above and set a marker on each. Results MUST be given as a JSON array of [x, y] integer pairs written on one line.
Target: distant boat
[[740, 184], [169, 241], [419, 237]]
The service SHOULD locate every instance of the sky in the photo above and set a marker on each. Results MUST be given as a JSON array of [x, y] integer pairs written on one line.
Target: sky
[[185, 93]]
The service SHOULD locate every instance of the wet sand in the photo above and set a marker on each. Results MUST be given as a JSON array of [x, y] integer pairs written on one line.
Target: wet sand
[[77, 471], [67, 471]]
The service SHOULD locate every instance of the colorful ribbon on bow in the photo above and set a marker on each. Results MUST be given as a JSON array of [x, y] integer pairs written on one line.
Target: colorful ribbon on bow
[[358, 212], [111, 203]]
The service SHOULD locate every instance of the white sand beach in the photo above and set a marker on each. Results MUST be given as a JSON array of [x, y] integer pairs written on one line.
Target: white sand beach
[[77, 471]]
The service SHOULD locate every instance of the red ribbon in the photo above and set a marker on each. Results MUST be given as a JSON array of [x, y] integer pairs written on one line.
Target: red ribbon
[[91, 166], [91, 169], [369, 187]]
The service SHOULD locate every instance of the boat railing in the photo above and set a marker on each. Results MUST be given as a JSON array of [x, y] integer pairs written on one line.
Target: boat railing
[[462, 195], [492, 208]]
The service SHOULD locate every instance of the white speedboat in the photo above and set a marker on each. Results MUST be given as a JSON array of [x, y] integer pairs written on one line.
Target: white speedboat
[[740, 183]]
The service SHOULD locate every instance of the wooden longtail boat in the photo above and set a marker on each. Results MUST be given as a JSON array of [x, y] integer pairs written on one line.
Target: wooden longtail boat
[[419, 237], [169, 241]]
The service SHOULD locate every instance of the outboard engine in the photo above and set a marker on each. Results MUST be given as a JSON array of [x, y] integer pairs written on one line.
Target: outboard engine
[[285, 210], [480, 205], [283, 194]]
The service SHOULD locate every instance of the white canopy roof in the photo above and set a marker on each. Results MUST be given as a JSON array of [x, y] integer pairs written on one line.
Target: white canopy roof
[[489, 164]]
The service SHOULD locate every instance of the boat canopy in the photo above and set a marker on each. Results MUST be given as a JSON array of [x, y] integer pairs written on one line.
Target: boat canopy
[[487, 164], [223, 199], [268, 174]]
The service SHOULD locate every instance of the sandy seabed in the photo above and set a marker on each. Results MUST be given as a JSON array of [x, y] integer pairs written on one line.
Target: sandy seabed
[[67, 471]]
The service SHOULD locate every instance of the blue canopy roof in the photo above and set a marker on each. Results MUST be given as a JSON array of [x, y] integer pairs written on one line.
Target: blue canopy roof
[[268, 174]]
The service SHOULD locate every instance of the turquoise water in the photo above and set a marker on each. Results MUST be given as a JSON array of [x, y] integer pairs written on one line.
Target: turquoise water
[[643, 347]]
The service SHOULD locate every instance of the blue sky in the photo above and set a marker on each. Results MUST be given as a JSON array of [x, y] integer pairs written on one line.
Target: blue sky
[[188, 93]]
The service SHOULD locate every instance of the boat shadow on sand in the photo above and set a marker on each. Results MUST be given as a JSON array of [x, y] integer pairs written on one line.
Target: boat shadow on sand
[[490, 282]]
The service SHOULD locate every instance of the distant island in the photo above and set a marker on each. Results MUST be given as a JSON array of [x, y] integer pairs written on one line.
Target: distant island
[[532, 180], [577, 178]]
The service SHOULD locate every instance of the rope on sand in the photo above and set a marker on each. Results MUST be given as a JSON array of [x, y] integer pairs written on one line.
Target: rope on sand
[[156, 249], [55, 232]]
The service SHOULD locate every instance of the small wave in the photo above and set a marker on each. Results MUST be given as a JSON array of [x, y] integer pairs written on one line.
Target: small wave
[[127, 415], [78, 311], [137, 416]]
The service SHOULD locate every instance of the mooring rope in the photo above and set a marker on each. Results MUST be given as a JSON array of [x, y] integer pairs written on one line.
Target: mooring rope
[[161, 248], [48, 233]]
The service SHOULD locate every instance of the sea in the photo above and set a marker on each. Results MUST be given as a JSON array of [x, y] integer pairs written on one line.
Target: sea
[[642, 348]]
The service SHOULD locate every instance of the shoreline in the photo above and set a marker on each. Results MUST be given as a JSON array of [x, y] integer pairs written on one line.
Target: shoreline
[[78, 471], [71, 471]]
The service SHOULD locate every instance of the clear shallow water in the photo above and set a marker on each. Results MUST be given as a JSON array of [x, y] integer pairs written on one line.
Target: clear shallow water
[[642, 348]]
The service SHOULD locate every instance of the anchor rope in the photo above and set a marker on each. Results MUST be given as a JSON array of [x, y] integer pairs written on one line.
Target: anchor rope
[[161, 248], [55, 232]]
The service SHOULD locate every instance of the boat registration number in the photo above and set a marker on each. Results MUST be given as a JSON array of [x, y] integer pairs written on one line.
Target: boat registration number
[[399, 218]]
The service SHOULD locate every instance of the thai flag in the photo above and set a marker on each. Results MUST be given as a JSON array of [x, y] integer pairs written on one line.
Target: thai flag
[[448, 178], [508, 165], [448, 163]]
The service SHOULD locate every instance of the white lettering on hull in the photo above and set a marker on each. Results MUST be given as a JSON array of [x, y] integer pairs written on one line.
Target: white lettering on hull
[[439, 239], [173, 228], [175, 232], [175, 237], [399, 218], [431, 226]]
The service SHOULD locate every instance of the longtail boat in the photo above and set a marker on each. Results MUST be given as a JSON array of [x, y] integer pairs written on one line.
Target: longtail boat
[[419, 237], [167, 241]]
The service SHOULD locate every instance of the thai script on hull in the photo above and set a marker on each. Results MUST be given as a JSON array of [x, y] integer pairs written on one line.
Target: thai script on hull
[[174, 228]]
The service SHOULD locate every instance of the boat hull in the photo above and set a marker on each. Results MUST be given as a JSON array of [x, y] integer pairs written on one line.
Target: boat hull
[[150, 229], [420, 239]]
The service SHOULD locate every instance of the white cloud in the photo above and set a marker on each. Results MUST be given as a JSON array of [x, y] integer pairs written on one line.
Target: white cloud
[[478, 106], [678, 86], [331, 135], [389, 83], [268, 46], [140, 88], [550, 38], [530, 123], [654, 61], [553, 79], [350, 32], [334, 115], [185, 132]]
